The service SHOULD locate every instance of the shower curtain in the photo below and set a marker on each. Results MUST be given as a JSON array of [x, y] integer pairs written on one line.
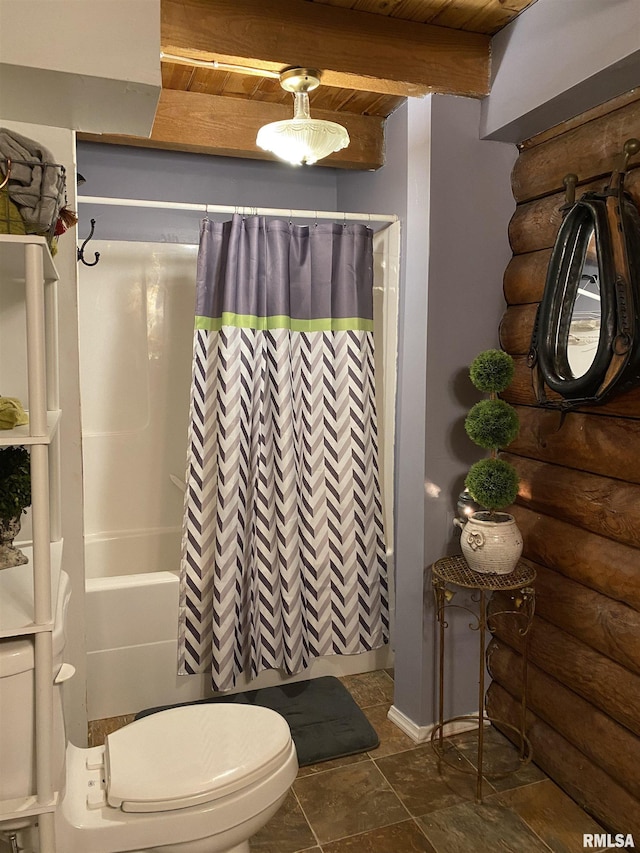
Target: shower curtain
[[283, 556]]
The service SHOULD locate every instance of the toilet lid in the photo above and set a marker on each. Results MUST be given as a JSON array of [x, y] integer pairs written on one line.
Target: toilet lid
[[194, 754]]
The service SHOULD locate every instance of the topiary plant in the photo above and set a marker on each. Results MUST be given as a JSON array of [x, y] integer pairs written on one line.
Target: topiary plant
[[15, 482], [492, 424]]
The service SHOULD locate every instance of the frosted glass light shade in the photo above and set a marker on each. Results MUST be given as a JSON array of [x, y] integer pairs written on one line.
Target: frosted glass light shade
[[302, 140]]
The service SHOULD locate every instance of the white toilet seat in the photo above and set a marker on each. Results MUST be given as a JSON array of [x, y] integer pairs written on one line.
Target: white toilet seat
[[192, 755], [243, 789]]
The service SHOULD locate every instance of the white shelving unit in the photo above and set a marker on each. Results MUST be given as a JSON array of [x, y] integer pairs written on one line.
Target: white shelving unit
[[28, 593]]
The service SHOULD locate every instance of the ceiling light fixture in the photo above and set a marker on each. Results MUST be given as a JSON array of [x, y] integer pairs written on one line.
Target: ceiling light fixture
[[302, 139]]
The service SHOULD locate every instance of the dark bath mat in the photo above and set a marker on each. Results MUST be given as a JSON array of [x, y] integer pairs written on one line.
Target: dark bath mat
[[325, 721]]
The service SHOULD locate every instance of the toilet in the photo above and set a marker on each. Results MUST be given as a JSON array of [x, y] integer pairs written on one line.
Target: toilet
[[194, 779]]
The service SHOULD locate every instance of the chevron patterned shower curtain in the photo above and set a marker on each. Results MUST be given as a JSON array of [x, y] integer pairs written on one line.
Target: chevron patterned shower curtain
[[283, 555]]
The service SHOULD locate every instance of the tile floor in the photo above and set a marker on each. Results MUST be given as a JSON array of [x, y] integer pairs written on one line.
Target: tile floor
[[394, 800]]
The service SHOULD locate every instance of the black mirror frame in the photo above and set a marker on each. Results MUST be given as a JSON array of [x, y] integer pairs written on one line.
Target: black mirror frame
[[563, 279], [616, 365]]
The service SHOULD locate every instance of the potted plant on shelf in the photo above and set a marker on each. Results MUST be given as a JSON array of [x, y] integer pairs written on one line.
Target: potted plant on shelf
[[490, 540], [15, 497]]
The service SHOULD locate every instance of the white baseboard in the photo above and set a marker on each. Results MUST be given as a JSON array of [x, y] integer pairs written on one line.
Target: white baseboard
[[420, 734]]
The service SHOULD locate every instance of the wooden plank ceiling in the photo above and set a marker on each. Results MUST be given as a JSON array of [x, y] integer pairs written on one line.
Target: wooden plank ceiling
[[373, 54]]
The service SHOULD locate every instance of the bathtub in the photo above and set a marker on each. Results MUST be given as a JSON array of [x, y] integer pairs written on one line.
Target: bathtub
[[132, 647]]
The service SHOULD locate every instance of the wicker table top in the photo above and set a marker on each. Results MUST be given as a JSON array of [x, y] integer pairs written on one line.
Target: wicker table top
[[456, 570]]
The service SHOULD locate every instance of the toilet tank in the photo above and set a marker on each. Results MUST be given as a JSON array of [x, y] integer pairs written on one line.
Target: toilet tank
[[17, 707]]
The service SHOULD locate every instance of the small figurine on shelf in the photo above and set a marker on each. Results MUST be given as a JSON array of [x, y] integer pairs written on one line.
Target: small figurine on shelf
[[15, 497]]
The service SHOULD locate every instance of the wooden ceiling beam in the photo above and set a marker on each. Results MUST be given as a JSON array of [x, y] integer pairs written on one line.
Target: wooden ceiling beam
[[353, 49], [212, 124]]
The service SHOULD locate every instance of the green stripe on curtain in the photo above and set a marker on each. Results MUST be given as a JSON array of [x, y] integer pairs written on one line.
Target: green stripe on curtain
[[281, 321]]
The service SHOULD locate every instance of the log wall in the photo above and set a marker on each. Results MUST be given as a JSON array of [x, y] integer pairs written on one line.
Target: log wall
[[578, 509]]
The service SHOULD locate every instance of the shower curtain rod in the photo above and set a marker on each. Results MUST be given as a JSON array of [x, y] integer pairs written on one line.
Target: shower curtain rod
[[242, 209]]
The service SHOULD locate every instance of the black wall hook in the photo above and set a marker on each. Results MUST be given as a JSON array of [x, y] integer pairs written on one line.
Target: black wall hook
[[81, 249]]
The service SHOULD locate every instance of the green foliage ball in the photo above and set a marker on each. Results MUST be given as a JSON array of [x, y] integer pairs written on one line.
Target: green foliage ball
[[493, 483], [492, 371], [492, 424], [15, 481]]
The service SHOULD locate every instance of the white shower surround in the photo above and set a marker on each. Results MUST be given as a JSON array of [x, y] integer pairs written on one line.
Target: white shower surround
[[136, 332]]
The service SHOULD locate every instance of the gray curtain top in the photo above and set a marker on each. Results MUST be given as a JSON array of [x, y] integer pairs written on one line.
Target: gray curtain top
[[261, 273]]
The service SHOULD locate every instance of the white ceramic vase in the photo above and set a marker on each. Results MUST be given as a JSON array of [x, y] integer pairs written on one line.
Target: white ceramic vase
[[491, 542]]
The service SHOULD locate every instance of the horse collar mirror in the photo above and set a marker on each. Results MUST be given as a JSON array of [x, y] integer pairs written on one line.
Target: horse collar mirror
[[586, 338]]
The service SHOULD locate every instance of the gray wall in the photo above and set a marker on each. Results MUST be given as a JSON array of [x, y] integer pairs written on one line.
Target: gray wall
[[403, 183], [471, 205], [558, 59], [453, 194], [123, 172]]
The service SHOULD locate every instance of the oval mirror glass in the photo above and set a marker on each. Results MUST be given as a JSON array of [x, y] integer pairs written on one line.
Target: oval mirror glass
[[586, 314]]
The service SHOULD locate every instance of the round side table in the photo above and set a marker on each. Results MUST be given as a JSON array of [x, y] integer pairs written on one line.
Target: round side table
[[448, 575]]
